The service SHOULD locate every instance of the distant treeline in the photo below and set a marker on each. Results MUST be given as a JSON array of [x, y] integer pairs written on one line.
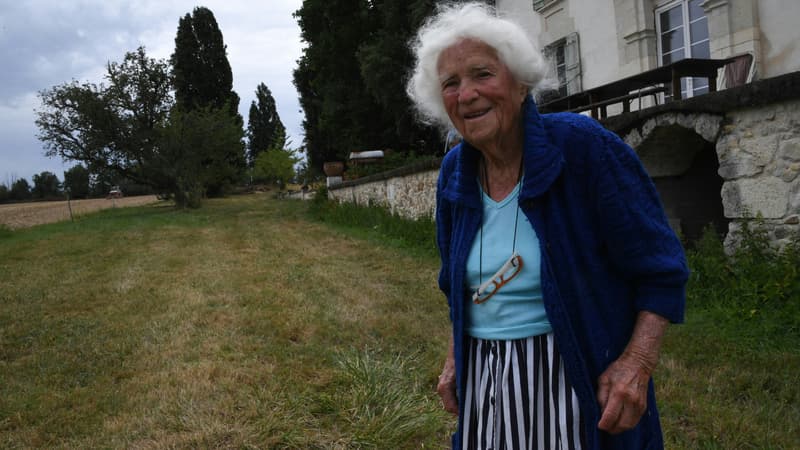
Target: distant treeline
[[78, 183]]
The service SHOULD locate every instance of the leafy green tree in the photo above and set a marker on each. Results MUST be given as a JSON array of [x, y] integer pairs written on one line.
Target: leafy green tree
[[126, 132], [196, 147], [76, 181], [20, 190], [46, 185], [5, 193], [276, 165], [110, 128], [264, 125]]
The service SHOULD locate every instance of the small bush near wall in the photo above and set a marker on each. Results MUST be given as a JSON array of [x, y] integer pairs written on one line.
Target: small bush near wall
[[754, 292]]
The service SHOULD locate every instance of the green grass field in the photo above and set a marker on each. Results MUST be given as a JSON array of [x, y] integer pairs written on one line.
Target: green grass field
[[250, 323]]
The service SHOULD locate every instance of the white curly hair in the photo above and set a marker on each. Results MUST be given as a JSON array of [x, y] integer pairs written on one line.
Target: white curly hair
[[452, 23]]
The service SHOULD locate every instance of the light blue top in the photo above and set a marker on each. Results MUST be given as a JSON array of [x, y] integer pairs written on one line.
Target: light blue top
[[516, 311]]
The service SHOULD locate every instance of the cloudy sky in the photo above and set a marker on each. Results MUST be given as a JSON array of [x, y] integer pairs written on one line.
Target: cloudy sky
[[44, 43]]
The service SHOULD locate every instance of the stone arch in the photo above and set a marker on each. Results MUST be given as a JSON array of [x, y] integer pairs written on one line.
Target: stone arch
[[679, 152]]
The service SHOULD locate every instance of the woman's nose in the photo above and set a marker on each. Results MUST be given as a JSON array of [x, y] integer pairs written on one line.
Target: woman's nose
[[467, 93]]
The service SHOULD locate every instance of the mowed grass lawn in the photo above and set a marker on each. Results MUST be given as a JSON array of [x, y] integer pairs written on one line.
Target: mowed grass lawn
[[239, 325], [246, 324]]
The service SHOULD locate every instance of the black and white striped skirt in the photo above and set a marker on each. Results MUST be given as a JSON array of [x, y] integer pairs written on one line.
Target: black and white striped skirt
[[518, 397]]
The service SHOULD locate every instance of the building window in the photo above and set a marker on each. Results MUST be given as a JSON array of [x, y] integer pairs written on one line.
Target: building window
[[682, 29], [565, 63]]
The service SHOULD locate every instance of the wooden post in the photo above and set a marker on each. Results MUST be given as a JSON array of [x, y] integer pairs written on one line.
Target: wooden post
[[69, 205], [676, 84], [712, 81]]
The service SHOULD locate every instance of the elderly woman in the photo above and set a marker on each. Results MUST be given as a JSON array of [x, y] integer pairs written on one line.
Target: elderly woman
[[558, 263]]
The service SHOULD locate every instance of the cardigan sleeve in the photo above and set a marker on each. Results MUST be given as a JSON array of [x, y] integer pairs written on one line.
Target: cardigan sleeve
[[639, 240]]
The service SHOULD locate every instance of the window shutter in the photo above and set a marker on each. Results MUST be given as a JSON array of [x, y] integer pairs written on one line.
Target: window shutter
[[572, 56], [539, 4]]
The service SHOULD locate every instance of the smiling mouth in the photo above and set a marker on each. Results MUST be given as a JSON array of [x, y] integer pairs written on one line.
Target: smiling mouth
[[476, 114]]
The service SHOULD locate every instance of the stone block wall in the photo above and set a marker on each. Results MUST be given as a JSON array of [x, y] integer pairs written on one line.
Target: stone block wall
[[759, 157], [409, 193]]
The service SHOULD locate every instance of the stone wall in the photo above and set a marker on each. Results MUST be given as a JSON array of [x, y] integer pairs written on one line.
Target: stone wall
[[753, 131], [409, 192], [678, 151], [758, 153], [759, 156]]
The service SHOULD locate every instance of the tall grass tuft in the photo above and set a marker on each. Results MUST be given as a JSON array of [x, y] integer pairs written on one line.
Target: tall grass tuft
[[383, 400]]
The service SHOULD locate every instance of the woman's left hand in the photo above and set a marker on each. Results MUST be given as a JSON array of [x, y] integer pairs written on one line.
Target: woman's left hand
[[622, 394], [622, 388]]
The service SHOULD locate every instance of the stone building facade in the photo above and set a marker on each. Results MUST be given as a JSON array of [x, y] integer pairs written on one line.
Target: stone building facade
[[614, 39]]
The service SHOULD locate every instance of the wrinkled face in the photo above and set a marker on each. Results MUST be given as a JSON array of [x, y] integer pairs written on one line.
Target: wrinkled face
[[480, 94]]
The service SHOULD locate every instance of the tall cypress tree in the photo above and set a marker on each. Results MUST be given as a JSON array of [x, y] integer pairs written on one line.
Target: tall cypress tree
[[264, 127], [200, 67], [186, 54], [204, 83]]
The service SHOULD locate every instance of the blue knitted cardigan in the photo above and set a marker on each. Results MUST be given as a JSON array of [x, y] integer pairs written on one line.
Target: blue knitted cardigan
[[608, 252]]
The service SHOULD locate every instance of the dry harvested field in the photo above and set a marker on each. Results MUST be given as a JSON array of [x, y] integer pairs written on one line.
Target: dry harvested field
[[21, 215]]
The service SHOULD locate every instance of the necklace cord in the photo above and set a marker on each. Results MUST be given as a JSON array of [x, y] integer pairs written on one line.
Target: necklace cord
[[485, 174]]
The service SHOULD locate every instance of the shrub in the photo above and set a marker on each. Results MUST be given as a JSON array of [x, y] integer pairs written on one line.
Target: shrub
[[754, 291]]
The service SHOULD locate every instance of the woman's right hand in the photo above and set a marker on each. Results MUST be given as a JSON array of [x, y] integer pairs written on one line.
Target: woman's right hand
[[447, 383]]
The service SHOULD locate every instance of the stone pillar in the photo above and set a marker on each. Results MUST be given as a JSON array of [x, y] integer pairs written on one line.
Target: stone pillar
[[334, 171], [333, 181], [759, 155]]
